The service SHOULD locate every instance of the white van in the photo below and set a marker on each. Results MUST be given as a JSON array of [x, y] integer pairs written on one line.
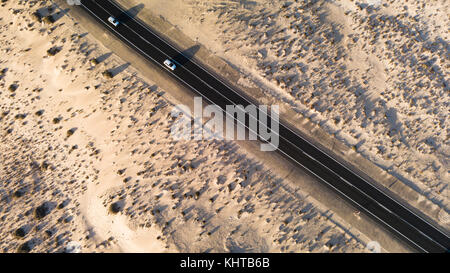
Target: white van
[[113, 21], [170, 64]]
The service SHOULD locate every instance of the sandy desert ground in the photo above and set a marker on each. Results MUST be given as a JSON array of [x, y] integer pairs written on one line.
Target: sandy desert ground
[[372, 73], [87, 163]]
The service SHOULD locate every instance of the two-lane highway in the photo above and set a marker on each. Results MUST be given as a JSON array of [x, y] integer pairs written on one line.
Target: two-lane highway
[[393, 215]]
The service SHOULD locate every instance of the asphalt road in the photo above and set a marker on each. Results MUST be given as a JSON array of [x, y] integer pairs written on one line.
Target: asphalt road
[[395, 217]]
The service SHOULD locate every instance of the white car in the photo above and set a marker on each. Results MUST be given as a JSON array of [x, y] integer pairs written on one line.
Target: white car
[[113, 21], [170, 64]]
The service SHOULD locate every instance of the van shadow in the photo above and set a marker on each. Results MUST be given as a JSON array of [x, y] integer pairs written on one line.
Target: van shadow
[[130, 14], [186, 55]]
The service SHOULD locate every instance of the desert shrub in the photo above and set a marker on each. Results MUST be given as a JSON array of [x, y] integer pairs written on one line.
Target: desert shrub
[[39, 113], [56, 120], [44, 209], [48, 20], [36, 16], [94, 61], [13, 87], [53, 51], [20, 116], [70, 132], [117, 207], [107, 74]]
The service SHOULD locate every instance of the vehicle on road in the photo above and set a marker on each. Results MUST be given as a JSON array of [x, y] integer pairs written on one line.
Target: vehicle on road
[[113, 21], [170, 64]]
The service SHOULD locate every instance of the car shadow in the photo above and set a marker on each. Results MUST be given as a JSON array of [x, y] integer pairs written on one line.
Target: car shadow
[[130, 14], [186, 55]]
